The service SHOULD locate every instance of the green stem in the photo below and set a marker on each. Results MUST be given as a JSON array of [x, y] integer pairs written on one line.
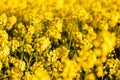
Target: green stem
[[70, 38], [28, 64], [36, 56], [22, 55]]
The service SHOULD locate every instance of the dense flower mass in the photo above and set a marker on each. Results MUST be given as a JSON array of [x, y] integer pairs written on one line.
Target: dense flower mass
[[59, 40]]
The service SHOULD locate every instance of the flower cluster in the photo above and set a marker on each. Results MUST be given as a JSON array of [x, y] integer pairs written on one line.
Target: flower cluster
[[59, 39]]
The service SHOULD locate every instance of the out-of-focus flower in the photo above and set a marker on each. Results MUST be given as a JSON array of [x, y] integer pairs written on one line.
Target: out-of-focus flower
[[3, 20], [11, 21], [99, 71], [1, 65], [90, 76]]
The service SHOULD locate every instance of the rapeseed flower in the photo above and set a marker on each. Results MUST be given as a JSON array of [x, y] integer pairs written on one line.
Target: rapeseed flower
[[61, 40]]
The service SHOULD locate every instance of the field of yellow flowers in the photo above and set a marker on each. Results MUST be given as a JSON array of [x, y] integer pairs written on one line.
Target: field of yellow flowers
[[59, 40]]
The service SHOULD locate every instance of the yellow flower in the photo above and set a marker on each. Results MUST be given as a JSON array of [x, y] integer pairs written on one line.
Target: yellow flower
[[19, 64], [103, 26], [77, 35], [34, 77], [91, 60], [53, 33], [21, 29], [70, 71], [1, 65], [90, 76], [14, 44], [6, 51], [28, 38], [96, 43], [97, 51], [59, 4], [28, 76], [28, 48], [42, 43], [11, 21], [114, 19], [3, 20], [59, 24], [4, 36], [22, 4], [98, 62], [103, 58], [42, 75], [16, 74], [109, 42], [31, 29], [99, 71], [83, 28]]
